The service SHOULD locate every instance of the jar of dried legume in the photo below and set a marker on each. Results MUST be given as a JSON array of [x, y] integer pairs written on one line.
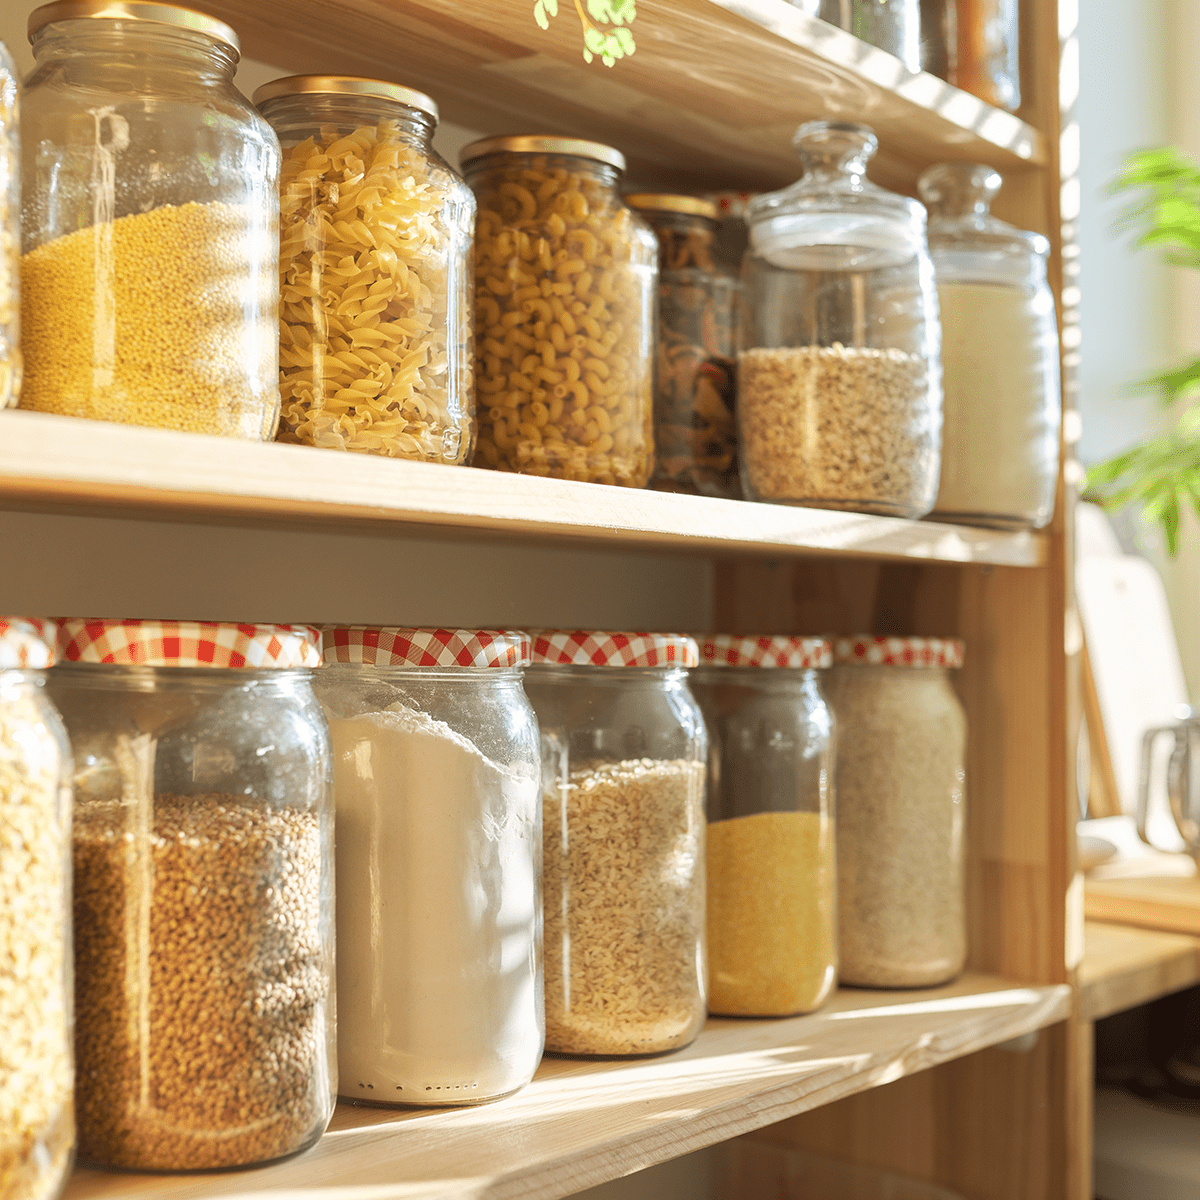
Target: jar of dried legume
[[772, 945], [623, 774], [901, 755], [565, 280], [37, 1124], [203, 891], [150, 220], [375, 272]]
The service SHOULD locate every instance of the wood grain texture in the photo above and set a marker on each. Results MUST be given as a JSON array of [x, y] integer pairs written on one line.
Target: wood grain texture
[[1171, 904], [1123, 967]]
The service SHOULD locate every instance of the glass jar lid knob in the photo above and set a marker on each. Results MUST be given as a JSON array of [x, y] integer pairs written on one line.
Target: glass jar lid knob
[[959, 189], [835, 146]]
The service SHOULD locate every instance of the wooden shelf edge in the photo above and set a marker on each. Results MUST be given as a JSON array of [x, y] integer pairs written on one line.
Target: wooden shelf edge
[[1124, 966]]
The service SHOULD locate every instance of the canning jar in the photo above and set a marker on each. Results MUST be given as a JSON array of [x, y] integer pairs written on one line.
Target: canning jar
[[988, 60], [695, 434], [623, 765], [37, 1124], [437, 776], [901, 747], [892, 25], [771, 918], [565, 280], [839, 383], [203, 871], [150, 221], [375, 272], [1000, 377], [10, 234]]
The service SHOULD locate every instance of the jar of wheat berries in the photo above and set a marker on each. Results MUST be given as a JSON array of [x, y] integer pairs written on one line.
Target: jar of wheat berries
[[901, 786]]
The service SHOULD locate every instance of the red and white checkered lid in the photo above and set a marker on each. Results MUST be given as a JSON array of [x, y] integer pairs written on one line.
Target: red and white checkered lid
[[375, 646], [597, 648], [189, 644], [867, 650], [26, 643], [772, 650]]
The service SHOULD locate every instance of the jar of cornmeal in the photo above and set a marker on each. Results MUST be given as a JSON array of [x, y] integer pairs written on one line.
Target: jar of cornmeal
[[623, 772], [203, 891], [10, 234], [439, 919], [771, 856], [901, 753], [150, 219]]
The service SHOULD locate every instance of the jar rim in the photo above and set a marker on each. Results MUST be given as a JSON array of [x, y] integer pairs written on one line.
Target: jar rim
[[417, 649], [133, 10], [692, 206], [345, 85], [606, 648], [539, 144]]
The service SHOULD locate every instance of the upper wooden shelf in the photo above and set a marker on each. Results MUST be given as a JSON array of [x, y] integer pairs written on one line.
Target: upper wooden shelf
[[709, 100], [582, 1123], [1123, 967], [59, 464]]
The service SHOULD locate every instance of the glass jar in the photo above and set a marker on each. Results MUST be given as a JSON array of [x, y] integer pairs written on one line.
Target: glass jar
[[772, 945], [37, 1124], [565, 282], [203, 890], [150, 219], [839, 383], [623, 765], [10, 234], [988, 62], [901, 754], [939, 38], [892, 25], [1000, 374], [695, 433], [437, 773], [376, 353]]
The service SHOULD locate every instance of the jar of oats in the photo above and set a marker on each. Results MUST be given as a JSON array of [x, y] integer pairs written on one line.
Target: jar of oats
[[203, 891], [150, 219], [37, 1124], [901, 781], [623, 775], [375, 268], [772, 922], [565, 282], [839, 379]]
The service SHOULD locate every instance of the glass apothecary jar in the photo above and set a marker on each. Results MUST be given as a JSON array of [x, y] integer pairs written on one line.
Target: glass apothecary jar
[[150, 219], [375, 353], [901, 783], [37, 1123], [203, 891], [839, 383], [11, 369], [1000, 374], [772, 947], [892, 25], [437, 775], [565, 283], [623, 767]]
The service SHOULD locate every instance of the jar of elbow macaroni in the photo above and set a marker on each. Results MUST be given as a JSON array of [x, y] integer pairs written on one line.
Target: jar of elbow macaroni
[[375, 229], [565, 280]]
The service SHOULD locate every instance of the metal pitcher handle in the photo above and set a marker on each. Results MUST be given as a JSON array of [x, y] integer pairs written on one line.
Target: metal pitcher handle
[[1143, 795], [1177, 779]]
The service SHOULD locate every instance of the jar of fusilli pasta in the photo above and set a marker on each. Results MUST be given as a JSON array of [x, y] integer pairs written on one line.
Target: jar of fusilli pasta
[[565, 282], [375, 229]]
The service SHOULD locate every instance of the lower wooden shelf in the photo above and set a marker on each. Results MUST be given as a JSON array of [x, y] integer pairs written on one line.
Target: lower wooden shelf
[[1124, 966], [583, 1123]]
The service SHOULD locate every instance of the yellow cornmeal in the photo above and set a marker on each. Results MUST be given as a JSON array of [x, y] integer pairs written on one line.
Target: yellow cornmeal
[[155, 319], [771, 945]]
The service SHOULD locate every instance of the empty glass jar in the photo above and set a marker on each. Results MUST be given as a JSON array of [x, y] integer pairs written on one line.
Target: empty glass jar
[[892, 25]]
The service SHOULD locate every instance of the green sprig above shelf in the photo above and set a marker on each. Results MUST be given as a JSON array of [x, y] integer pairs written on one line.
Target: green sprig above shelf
[[608, 44]]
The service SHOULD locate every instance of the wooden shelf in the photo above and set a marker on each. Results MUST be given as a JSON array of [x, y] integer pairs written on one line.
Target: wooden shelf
[[1123, 967], [59, 464], [709, 100], [582, 1123]]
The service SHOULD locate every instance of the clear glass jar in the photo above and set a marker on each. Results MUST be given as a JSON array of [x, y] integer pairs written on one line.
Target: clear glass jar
[[695, 431], [939, 38], [376, 352], [901, 755], [623, 766], [1000, 374], [772, 948], [11, 369], [203, 892], [37, 1123], [150, 219], [839, 382], [892, 25], [439, 918], [988, 62], [565, 283]]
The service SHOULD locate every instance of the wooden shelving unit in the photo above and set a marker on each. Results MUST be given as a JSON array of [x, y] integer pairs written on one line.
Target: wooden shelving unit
[[1124, 966]]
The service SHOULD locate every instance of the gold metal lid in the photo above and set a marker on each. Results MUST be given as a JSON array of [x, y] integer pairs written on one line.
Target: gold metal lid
[[543, 145], [133, 10], [345, 85], [693, 206]]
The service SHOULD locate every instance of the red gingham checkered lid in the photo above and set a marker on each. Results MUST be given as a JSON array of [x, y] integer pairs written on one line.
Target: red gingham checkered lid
[[26, 643], [597, 648], [189, 644], [771, 650], [867, 650], [395, 647]]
